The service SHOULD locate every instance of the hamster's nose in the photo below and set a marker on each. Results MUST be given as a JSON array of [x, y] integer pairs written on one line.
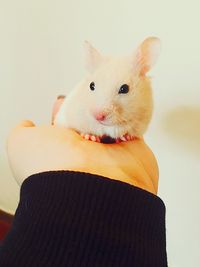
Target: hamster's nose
[[100, 116]]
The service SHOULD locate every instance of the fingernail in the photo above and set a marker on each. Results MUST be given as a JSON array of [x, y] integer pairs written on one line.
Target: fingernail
[[61, 97]]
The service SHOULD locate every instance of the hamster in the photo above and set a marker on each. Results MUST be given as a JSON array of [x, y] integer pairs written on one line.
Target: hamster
[[115, 99]]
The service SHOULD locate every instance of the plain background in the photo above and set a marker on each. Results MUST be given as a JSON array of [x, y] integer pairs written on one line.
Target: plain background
[[41, 56]]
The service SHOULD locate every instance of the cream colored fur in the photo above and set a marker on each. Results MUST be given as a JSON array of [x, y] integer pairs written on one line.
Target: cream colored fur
[[126, 113]]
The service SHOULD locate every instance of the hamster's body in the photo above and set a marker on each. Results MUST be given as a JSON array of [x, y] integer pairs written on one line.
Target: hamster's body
[[116, 97]]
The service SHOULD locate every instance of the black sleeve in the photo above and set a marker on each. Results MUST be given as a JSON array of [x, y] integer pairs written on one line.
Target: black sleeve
[[67, 218]]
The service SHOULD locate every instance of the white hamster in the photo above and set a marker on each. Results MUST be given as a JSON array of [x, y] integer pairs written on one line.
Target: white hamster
[[115, 99]]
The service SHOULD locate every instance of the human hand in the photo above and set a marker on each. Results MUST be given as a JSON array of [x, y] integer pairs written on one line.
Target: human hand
[[33, 149]]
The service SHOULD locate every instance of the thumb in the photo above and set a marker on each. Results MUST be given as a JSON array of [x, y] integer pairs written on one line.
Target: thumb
[[56, 107]]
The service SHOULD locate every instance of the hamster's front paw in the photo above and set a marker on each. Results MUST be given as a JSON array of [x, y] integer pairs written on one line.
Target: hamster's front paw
[[107, 139], [100, 139], [91, 137], [125, 138]]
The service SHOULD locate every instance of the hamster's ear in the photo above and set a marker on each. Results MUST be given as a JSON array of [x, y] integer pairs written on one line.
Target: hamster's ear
[[93, 57], [147, 55]]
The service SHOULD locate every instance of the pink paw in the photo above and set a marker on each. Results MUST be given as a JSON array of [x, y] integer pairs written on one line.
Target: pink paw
[[91, 137], [118, 140], [125, 138]]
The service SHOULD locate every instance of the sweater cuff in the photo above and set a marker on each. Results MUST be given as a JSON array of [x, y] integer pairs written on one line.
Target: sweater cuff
[[95, 213]]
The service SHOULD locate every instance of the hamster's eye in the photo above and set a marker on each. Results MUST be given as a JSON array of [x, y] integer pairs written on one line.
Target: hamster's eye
[[124, 89], [92, 86]]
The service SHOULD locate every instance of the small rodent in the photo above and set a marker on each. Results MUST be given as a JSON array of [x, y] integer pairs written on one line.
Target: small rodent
[[114, 102]]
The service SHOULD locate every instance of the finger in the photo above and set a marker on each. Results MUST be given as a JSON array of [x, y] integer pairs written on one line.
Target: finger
[[56, 107]]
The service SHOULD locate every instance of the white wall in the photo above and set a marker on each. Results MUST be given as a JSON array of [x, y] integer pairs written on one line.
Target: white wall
[[41, 56]]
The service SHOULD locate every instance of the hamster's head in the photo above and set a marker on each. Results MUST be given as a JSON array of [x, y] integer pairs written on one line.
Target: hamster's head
[[119, 97]]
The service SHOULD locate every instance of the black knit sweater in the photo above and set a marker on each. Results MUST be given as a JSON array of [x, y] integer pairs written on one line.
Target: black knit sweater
[[67, 219]]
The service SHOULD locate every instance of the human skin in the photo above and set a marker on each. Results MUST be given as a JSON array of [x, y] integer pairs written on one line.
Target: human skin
[[34, 149]]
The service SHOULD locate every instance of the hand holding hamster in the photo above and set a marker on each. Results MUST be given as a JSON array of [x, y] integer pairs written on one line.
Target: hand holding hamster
[[39, 148], [114, 102]]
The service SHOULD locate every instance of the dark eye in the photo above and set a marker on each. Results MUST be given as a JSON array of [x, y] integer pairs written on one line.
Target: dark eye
[[123, 89], [92, 86]]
